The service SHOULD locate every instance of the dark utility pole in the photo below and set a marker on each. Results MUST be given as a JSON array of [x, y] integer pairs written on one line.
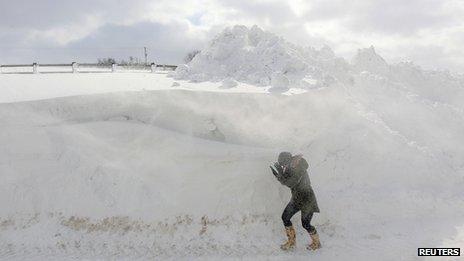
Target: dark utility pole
[[146, 54]]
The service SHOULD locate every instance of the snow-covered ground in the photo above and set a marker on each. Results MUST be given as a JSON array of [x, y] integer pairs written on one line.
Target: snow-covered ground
[[141, 166]]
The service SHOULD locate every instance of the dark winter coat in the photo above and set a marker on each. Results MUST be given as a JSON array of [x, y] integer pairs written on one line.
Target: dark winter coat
[[295, 176]]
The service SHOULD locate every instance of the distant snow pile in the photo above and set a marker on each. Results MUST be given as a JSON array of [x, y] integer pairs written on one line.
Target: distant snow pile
[[260, 58], [370, 69], [254, 56]]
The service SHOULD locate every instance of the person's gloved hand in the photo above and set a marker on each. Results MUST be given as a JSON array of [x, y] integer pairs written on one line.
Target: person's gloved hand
[[274, 171], [279, 168]]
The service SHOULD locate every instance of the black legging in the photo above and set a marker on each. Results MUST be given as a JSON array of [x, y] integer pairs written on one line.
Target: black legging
[[306, 217]]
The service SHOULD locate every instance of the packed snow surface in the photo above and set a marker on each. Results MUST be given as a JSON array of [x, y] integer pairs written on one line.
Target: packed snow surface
[[151, 166]]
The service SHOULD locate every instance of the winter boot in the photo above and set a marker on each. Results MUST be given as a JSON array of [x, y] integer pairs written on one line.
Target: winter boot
[[291, 235], [316, 244]]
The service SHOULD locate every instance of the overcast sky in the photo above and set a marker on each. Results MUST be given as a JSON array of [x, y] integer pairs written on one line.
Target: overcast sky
[[428, 32]]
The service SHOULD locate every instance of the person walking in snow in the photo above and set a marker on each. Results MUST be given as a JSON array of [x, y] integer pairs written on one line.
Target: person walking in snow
[[291, 171]]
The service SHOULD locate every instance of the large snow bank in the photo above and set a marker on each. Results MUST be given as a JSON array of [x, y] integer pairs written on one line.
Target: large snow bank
[[254, 56], [181, 173], [257, 57]]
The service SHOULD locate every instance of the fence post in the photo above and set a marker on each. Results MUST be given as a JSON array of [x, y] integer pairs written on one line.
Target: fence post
[[35, 68], [153, 67], [164, 67], [113, 67], [74, 66]]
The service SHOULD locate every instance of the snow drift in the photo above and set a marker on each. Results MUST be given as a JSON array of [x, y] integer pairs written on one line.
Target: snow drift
[[142, 174]]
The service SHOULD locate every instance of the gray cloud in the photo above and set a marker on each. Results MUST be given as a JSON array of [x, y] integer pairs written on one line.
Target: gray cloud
[[384, 16], [46, 14], [274, 12], [403, 17], [167, 43]]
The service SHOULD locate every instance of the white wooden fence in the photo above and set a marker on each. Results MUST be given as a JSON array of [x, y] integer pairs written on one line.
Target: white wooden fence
[[82, 68]]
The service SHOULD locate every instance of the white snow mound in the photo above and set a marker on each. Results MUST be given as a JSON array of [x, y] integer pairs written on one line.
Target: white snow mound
[[260, 58], [252, 55]]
